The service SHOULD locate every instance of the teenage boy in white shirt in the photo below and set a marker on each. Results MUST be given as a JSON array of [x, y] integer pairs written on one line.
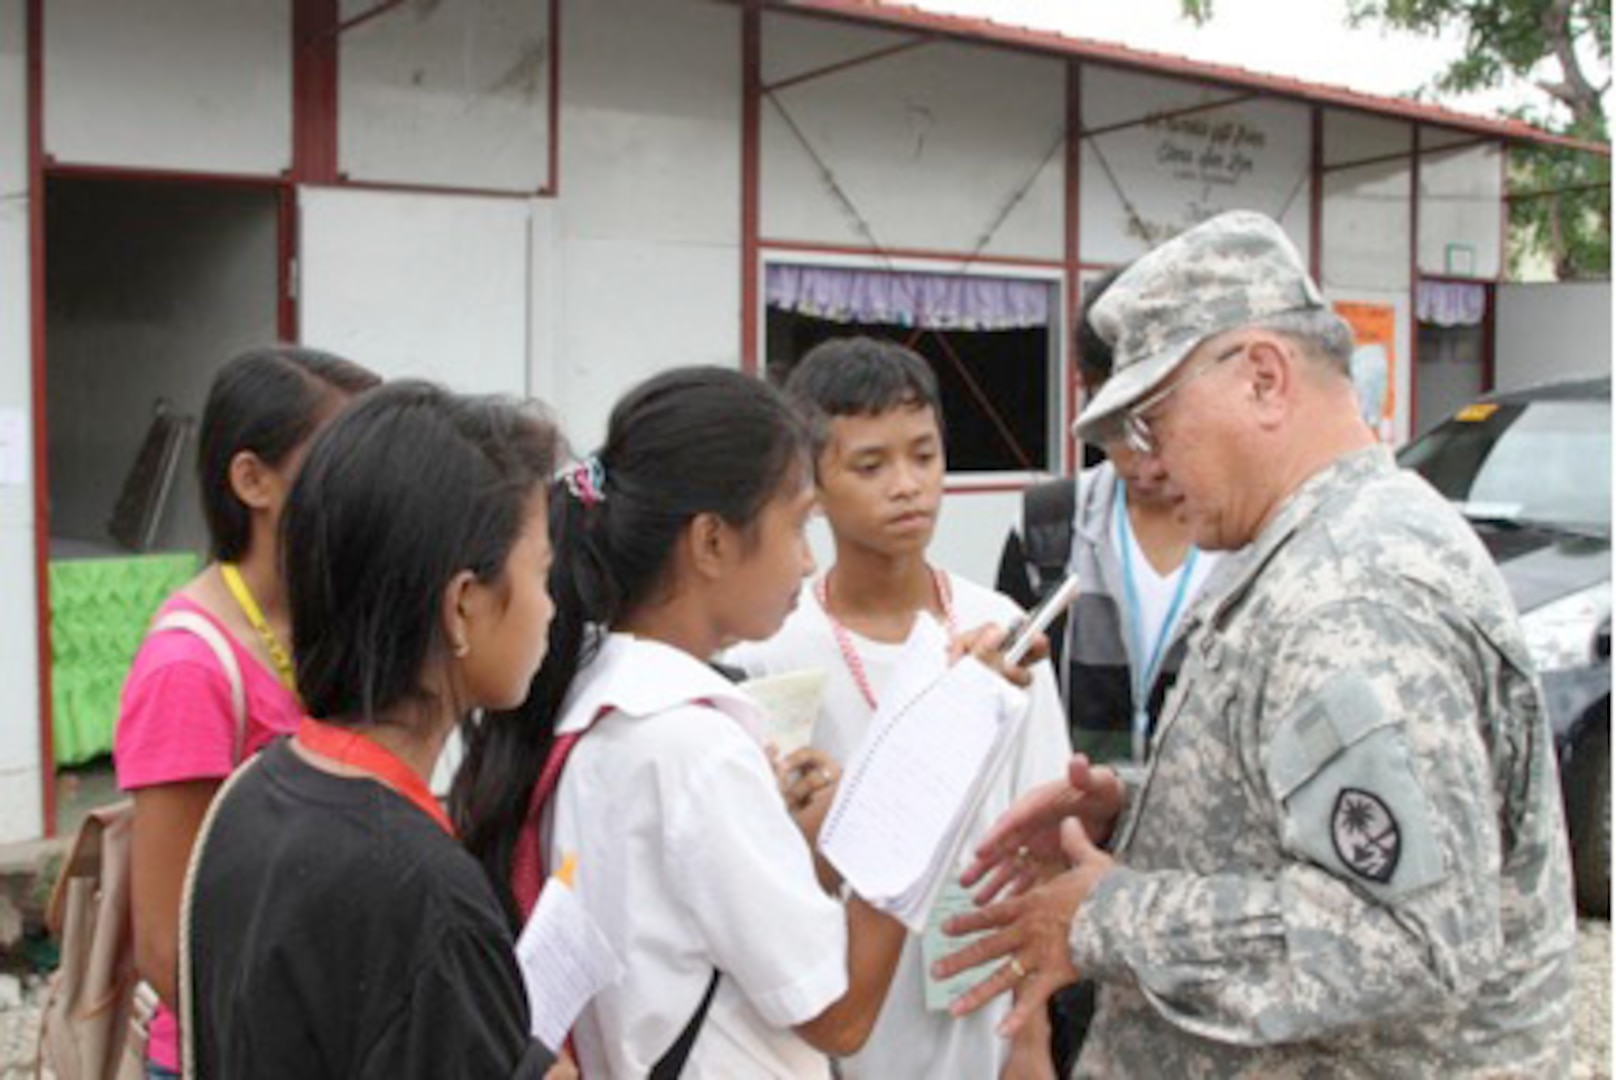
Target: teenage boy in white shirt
[[873, 412]]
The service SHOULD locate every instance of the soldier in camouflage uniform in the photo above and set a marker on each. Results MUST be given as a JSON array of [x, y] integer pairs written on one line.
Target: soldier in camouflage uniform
[[1347, 857]]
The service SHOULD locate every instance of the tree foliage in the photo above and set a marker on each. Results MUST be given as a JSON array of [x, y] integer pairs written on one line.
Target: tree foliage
[[1561, 197]]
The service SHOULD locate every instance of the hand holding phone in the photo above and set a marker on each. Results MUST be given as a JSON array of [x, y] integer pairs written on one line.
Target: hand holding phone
[[1024, 632]]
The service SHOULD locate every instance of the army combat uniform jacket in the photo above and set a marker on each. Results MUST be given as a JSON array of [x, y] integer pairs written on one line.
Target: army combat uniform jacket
[[1348, 855]]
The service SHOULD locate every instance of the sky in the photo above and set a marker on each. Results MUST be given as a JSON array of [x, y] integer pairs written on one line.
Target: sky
[[1305, 39]]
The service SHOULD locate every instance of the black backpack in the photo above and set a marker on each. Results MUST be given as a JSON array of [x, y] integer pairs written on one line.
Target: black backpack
[[1034, 559]]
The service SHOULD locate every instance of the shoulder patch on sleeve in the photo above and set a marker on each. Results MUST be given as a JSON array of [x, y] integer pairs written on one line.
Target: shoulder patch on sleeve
[[1344, 775]]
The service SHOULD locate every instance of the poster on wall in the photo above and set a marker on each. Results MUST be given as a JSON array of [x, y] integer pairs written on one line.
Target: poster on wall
[[1374, 363]]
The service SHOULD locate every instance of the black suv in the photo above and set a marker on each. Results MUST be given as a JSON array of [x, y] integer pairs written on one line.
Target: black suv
[[1530, 469]]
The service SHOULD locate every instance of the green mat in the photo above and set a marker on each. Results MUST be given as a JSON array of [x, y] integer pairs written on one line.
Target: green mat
[[100, 609]]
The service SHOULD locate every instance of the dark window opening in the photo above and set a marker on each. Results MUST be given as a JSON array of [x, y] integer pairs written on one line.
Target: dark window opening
[[995, 385]]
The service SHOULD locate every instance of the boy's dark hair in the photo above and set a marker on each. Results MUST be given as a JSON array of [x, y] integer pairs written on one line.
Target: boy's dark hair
[[408, 487], [688, 441], [1095, 356], [266, 401], [859, 376]]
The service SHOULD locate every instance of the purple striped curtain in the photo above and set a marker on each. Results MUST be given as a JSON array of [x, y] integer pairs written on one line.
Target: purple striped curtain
[[904, 298]]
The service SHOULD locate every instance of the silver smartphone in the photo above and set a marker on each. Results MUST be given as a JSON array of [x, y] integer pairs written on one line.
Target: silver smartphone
[[1024, 632]]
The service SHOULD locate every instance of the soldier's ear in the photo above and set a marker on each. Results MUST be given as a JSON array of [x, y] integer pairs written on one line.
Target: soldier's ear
[[1271, 378]]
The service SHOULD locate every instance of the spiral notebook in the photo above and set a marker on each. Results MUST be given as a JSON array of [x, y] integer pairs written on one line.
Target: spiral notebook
[[909, 796]]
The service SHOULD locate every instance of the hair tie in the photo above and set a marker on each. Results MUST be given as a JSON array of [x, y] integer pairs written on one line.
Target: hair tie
[[587, 481]]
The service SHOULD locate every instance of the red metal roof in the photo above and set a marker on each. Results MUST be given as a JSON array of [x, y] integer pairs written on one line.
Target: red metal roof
[[908, 17]]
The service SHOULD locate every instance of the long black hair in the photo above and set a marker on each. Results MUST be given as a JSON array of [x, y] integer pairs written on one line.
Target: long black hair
[[267, 401], [686, 442], [408, 487]]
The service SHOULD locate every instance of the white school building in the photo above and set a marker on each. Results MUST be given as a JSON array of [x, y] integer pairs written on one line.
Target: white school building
[[560, 197]]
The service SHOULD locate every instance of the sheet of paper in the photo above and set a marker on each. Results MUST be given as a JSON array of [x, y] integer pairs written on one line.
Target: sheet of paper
[[792, 701], [912, 788], [565, 961], [934, 945]]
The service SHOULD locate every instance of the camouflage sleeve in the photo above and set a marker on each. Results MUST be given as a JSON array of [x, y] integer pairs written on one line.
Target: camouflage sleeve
[[1366, 758]]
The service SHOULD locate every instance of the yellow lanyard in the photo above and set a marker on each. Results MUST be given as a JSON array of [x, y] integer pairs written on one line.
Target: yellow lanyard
[[255, 615]]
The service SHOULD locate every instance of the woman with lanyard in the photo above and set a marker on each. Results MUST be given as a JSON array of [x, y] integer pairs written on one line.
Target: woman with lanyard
[[337, 928], [180, 729], [1139, 574]]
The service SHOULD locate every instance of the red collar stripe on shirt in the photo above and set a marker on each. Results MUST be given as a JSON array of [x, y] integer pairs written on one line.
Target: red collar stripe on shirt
[[362, 753]]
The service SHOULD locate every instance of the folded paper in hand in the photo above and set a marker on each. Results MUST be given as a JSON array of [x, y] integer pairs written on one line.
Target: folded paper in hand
[[909, 796], [565, 959], [791, 701]]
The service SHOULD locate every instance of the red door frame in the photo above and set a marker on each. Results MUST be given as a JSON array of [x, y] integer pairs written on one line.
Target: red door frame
[[36, 328], [316, 27], [42, 169]]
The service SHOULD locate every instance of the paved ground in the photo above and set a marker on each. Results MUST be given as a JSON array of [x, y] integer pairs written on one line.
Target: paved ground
[[19, 1016], [1593, 1001]]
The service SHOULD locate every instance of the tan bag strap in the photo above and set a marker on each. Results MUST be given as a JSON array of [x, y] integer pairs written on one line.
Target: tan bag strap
[[187, 1005], [192, 622]]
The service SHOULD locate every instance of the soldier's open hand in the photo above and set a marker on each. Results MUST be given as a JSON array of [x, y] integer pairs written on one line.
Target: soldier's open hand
[[1030, 933], [1024, 846]]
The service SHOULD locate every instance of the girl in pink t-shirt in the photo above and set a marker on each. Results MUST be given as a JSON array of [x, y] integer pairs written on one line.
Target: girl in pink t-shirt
[[176, 735]]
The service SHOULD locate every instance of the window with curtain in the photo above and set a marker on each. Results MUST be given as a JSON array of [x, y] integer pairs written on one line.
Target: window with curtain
[[988, 339]]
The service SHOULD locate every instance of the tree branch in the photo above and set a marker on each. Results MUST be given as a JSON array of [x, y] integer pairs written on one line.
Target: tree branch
[[1575, 90]]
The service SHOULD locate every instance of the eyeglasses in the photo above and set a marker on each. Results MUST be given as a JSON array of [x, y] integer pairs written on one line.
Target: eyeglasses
[[1136, 424]]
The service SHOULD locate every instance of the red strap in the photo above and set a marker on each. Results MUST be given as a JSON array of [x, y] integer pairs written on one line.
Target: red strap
[[358, 751], [527, 860]]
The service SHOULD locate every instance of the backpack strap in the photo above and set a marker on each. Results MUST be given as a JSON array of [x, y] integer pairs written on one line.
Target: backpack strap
[[672, 1063], [198, 625], [1046, 530], [187, 1009]]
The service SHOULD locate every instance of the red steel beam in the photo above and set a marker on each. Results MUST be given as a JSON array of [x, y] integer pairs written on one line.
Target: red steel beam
[[1414, 286], [1074, 258], [314, 91], [751, 143], [36, 305], [844, 65]]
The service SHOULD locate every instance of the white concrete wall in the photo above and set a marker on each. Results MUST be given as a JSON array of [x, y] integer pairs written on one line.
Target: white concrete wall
[[1461, 221], [1178, 171], [21, 812], [1552, 331], [647, 226], [431, 286], [151, 287], [455, 94], [945, 147], [202, 85], [1365, 235]]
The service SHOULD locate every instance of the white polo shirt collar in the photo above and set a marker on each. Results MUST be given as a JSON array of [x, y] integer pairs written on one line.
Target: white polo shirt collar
[[640, 677]]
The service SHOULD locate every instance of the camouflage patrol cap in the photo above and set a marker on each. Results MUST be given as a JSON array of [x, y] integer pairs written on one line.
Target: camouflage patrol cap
[[1233, 270]]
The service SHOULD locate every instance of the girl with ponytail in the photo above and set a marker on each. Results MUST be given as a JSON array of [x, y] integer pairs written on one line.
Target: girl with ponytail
[[682, 535]]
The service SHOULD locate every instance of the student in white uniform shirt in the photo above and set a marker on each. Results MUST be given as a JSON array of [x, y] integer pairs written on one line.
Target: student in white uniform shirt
[[684, 534], [873, 413]]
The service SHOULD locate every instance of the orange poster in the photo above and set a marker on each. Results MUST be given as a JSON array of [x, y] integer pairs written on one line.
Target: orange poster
[[1374, 363]]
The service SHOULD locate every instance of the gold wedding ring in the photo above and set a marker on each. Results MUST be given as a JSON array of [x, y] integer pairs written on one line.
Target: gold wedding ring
[[1016, 969], [1023, 854]]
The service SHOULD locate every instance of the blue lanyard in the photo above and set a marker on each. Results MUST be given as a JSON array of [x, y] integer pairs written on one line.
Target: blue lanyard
[[1145, 677]]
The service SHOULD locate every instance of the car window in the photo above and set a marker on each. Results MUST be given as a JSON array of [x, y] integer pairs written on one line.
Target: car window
[[1540, 462]]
